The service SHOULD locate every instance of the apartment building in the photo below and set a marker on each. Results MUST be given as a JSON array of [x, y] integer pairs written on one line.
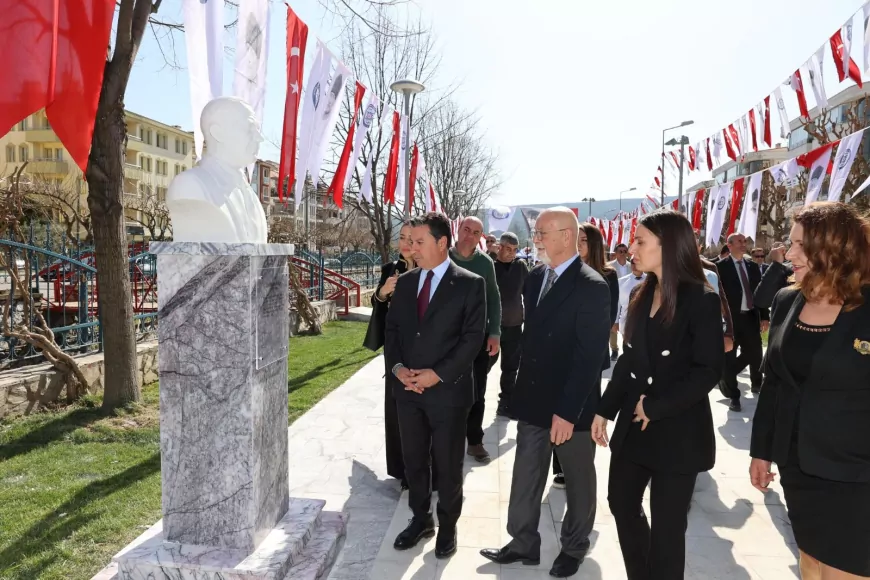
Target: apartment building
[[155, 153]]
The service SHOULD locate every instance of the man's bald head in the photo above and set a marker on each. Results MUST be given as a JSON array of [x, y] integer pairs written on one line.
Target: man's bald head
[[556, 235], [470, 231]]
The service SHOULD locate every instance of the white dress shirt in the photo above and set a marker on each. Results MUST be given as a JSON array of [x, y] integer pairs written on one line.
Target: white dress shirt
[[621, 271], [739, 265], [560, 269], [626, 285], [437, 273]]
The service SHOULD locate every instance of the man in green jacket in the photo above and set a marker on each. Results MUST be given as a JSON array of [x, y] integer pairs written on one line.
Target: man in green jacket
[[466, 254]]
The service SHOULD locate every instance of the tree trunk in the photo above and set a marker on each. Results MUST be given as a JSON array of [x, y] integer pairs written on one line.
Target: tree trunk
[[105, 177]]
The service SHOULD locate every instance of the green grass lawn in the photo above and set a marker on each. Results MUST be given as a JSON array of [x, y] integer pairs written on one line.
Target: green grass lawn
[[76, 485]]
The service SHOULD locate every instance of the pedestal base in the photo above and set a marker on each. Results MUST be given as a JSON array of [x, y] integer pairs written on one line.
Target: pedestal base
[[302, 546]]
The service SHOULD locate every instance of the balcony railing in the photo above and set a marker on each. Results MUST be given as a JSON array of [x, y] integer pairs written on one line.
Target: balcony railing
[[132, 171], [47, 166], [40, 135]]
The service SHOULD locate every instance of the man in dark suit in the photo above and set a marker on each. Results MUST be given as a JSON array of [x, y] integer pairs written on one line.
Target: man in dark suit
[[434, 330], [564, 344], [740, 277]]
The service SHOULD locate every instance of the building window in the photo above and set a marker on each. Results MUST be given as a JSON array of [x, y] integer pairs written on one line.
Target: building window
[[178, 146], [177, 169], [58, 154], [162, 141], [23, 153], [161, 194], [146, 135], [10, 154], [183, 168], [145, 164], [162, 168], [22, 126], [184, 147]]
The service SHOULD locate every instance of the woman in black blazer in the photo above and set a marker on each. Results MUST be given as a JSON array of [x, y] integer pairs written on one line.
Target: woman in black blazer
[[674, 352], [374, 340], [813, 414], [590, 247]]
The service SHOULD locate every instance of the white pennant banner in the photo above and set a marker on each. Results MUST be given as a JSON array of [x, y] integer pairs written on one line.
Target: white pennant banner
[[817, 79], [816, 178], [749, 214], [846, 152], [252, 55], [716, 219], [366, 120], [311, 107], [783, 115], [203, 27]]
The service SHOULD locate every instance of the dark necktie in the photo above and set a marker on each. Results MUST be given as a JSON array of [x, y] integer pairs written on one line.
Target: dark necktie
[[745, 281], [638, 277], [423, 296], [548, 284]]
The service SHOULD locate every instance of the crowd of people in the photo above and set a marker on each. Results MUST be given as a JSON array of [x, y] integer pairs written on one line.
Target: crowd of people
[[446, 313]]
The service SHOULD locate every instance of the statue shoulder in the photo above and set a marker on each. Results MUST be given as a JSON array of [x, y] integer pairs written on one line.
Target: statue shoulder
[[187, 186]]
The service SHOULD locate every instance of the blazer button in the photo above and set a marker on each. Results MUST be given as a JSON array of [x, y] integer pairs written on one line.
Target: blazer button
[[633, 376], [649, 381], [418, 335]]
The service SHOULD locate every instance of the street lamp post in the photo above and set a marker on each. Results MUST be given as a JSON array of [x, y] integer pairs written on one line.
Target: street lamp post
[[683, 124], [682, 143], [590, 200], [407, 87], [620, 196]]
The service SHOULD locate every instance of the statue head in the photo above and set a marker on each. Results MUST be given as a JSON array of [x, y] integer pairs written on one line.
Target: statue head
[[231, 131]]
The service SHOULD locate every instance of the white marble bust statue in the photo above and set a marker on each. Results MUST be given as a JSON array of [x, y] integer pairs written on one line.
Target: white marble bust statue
[[213, 202]]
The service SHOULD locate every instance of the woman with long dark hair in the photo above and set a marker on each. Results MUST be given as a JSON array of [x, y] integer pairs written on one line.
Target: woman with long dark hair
[[673, 357], [590, 247], [374, 340], [813, 414]]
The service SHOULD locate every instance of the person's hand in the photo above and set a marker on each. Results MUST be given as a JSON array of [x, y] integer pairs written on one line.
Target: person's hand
[[424, 379], [777, 253], [765, 325], [760, 474], [615, 328], [406, 377], [389, 286], [561, 430], [599, 431], [492, 345], [729, 344], [640, 415]]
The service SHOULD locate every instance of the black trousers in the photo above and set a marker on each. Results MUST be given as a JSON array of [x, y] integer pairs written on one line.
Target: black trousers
[[657, 552], [439, 431], [510, 352], [475, 415], [747, 336], [393, 437]]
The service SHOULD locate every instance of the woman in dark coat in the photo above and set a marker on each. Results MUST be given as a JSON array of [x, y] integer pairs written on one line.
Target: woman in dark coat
[[374, 340], [590, 246], [813, 414], [673, 357]]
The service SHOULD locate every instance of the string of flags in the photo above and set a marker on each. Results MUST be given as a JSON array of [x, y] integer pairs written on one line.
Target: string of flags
[[753, 130]]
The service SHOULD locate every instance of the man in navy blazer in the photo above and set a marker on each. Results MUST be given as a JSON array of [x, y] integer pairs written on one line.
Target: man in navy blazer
[[565, 341]]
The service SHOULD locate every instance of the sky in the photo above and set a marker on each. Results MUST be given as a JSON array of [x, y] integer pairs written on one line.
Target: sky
[[572, 95]]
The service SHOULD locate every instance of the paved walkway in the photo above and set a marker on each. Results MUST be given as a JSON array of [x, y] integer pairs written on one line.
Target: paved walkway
[[337, 454]]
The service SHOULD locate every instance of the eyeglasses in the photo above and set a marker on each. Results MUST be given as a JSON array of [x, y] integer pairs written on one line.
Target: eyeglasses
[[541, 234], [758, 256]]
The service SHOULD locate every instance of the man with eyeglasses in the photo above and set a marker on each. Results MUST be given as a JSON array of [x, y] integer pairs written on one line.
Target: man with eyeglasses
[[758, 257], [623, 269], [491, 247]]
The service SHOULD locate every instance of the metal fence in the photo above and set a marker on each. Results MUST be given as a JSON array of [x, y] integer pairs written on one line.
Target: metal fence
[[58, 280]]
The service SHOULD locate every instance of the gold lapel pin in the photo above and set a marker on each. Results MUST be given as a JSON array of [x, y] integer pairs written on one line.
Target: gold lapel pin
[[862, 346]]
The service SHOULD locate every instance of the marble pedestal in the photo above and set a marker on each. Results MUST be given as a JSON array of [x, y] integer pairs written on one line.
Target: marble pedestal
[[223, 346]]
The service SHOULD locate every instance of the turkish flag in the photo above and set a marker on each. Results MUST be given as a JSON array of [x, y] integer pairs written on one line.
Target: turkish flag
[[709, 156], [841, 51], [795, 81], [736, 198], [576, 212], [336, 188], [754, 129], [691, 158], [297, 37], [54, 53], [698, 209], [392, 178]]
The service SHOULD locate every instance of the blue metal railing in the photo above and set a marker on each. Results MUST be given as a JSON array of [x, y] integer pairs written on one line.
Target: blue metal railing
[[60, 284]]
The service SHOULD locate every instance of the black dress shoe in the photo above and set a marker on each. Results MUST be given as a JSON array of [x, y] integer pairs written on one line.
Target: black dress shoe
[[755, 389], [565, 566], [445, 543], [417, 530], [735, 405], [508, 556]]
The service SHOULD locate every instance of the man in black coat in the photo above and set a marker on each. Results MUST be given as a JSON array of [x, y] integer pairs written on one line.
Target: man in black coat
[[434, 330], [740, 277], [565, 341]]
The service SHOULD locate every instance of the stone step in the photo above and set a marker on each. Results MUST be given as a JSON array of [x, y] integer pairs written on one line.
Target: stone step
[[283, 548], [322, 549]]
